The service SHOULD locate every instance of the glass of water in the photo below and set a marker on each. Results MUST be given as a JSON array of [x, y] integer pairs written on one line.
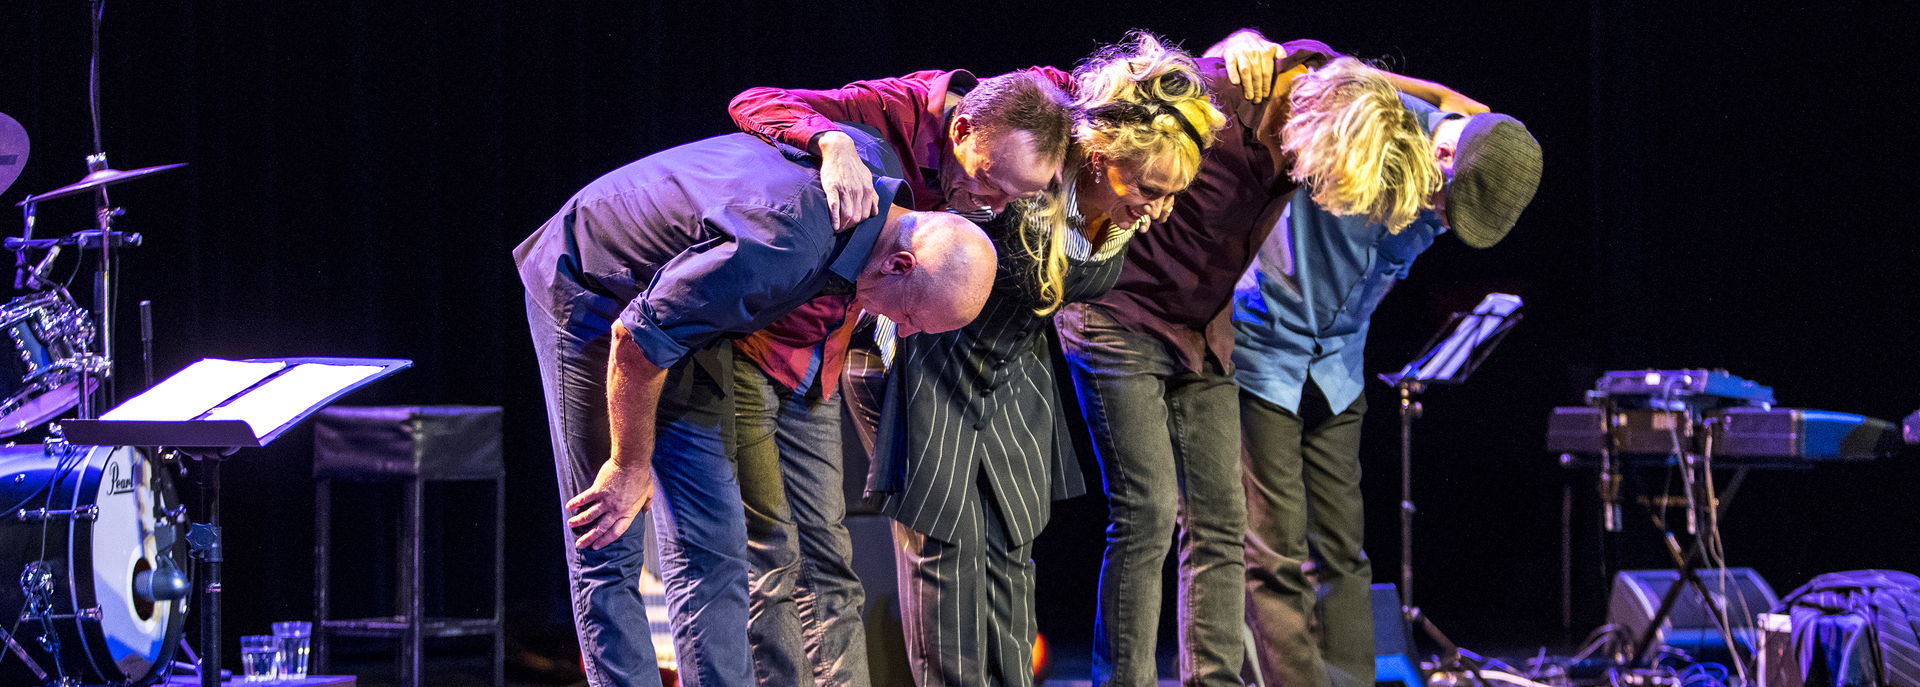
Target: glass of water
[[296, 644], [259, 658]]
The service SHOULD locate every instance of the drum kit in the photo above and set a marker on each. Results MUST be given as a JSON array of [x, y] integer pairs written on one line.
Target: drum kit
[[94, 535]]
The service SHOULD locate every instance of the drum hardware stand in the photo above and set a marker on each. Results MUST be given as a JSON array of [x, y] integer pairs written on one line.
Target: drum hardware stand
[[25, 658], [36, 588], [1450, 357], [146, 341]]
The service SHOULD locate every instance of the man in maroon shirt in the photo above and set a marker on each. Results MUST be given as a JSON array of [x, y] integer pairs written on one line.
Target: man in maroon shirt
[[966, 148]]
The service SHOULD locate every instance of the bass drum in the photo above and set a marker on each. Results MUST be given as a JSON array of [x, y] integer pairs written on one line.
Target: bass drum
[[87, 531]]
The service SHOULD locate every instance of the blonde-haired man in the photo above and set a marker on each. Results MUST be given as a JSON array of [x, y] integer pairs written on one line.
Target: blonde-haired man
[[1300, 318], [1355, 148]]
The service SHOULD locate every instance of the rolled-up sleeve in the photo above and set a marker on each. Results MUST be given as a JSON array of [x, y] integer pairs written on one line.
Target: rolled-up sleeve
[[1306, 51], [759, 259], [795, 115]]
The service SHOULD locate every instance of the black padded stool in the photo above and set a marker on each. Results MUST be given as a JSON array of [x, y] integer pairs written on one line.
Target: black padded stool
[[413, 445]]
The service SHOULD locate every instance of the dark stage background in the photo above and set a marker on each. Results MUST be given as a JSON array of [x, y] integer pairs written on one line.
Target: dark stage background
[[1725, 187]]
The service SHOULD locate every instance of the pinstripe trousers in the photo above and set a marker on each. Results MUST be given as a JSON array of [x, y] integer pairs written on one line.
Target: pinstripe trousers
[[967, 605], [944, 585], [971, 452]]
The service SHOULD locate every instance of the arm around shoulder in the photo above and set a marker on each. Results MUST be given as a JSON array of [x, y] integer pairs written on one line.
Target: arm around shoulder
[[1441, 96]]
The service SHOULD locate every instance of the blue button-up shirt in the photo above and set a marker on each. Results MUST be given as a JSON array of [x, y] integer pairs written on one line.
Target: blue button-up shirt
[[718, 236], [1301, 310]]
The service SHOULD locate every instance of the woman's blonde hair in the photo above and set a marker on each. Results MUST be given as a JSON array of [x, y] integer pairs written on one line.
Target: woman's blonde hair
[[1358, 148], [1139, 100]]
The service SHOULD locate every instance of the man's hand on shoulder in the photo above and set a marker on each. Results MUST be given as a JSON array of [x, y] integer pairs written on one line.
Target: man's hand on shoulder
[[1250, 59], [846, 180]]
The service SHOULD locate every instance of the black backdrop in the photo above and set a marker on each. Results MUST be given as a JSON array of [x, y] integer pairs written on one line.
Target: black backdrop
[[1723, 189]]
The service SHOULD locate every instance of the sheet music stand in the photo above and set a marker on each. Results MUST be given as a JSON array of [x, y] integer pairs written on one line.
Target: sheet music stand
[[1449, 358], [209, 440]]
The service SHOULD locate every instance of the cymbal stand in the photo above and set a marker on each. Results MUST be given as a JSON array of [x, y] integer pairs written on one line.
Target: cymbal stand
[[104, 282], [103, 212]]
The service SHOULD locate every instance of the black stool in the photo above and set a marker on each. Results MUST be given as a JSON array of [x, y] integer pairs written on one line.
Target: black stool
[[413, 445]]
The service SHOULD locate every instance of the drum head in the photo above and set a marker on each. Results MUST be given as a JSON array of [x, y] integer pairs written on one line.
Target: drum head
[[129, 537]]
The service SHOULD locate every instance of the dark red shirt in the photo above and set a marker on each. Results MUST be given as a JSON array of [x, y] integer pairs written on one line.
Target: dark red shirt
[[810, 339], [910, 113], [1179, 276]]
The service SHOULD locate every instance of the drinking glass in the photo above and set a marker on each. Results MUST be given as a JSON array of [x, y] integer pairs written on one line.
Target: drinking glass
[[296, 642], [259, 658]]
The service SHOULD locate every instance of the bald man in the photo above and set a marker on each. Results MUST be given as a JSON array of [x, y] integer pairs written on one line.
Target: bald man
[[631, 290]]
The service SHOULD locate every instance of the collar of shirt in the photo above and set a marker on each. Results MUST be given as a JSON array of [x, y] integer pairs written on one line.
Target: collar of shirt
[[932, 139], [835, 285], [857, 243]]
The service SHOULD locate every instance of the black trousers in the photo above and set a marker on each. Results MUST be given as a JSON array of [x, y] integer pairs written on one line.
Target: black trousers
[[1307, 574]]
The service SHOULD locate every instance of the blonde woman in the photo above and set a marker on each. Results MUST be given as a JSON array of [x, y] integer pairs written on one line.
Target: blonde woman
[[1152, 358], [972, 444]]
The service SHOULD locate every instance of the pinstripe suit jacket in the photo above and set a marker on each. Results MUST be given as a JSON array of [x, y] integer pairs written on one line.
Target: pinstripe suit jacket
[[982, 399]]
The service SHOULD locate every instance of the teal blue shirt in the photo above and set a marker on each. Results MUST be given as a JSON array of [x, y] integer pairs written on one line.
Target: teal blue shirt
[[1301, 311]]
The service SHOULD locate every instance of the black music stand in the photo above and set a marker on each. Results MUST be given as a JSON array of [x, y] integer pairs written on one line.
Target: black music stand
[[212, 409], [1450, 357]]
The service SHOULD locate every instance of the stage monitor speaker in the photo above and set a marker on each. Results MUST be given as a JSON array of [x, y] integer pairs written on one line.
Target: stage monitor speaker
[[1394, 657], [1739, 593]]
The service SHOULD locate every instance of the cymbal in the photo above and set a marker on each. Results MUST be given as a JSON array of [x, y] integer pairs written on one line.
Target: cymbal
[[13, 151], [105, 177]]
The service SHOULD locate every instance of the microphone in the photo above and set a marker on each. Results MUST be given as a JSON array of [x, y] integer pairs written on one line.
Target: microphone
[[164, 582]]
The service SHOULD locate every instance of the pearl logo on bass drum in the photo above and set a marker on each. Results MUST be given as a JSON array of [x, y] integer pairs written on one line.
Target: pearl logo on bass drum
[[117, 482]]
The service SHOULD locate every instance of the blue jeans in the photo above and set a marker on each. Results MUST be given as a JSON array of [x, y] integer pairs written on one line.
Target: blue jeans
[[804, 617], [696, 509], [1168, 441]]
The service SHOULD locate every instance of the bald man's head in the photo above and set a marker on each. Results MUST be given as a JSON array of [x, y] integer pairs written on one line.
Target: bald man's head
[[928, 272]]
